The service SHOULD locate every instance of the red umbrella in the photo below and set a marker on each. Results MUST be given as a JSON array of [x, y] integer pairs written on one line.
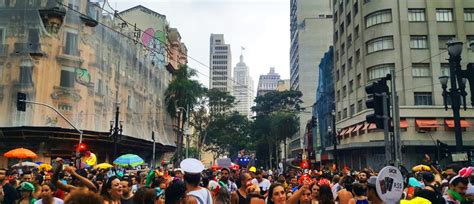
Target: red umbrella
[[20, 153]]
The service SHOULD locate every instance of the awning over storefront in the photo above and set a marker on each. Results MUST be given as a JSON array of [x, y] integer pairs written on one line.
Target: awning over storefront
[[343, 132], [357, 128], [450, 123], [403, 123], [350, 130], [426, 123]]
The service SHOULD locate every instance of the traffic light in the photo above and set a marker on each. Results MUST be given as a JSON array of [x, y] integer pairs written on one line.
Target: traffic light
[[20, 101], [376, 93], [443, 149], [81, 147], [304, 164]]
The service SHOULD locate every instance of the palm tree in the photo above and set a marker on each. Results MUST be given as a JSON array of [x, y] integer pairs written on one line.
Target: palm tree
[[184, 92]]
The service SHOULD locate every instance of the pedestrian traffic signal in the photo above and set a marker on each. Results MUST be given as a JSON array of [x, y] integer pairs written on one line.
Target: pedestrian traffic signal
[[304, 164], [20, 101], [377, 93], [81, 147], [443, 149]]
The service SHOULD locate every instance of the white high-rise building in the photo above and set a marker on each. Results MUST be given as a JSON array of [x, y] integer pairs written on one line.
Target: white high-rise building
[[311, 30], [268, 82], [220, 62], [243, 88]]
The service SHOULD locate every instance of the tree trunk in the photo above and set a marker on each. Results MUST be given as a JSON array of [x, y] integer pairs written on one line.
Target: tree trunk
[[276, 155], [270, 154]]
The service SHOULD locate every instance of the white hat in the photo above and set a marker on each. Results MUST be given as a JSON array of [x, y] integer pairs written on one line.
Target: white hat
[[178, 169], [192, 166]]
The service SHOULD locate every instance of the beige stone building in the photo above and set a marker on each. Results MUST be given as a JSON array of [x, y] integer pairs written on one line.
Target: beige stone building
[[84, 63], [370, 38]]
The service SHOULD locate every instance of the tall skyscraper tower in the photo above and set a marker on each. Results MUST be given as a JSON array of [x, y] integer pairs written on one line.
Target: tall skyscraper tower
[[311, 28], [268, 82], [243, 88], [220, 61]]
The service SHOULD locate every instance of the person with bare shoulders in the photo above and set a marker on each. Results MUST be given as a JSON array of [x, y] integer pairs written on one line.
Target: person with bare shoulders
[[192, 177]]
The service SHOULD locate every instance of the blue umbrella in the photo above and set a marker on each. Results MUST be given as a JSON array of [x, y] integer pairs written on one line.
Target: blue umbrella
[[129, 160]]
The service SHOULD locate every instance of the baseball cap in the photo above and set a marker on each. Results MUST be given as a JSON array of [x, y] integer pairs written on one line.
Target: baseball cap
[[253, 169]]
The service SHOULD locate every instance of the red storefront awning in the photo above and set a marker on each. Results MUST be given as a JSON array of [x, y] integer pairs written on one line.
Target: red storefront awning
[[450, 123], [426, 123]]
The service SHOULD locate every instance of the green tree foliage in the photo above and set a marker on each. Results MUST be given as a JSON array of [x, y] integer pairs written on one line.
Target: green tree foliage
[[276, 120], [219, 101], [183, 91], [229, 132]]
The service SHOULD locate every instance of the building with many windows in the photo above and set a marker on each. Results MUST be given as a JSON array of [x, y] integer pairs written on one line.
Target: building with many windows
[[268, 82], [75, 58], [220, 61], [373, 37], [311, 36], [243, 89]]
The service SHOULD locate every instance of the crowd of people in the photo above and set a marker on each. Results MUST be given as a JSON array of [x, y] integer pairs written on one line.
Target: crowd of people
[[193, 184]]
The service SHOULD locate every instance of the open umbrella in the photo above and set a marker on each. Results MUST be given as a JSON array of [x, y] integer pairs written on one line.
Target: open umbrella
[[20, 153], [45, 167], [103, 166], [26, 164], [129, 160]]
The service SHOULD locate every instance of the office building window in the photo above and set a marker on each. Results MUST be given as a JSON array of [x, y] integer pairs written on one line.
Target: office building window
[[379, 71], [360, 107], [349, 63], [351, 86], [378, 44], [378, 17], [336, 36], [338, 95], [359, 80], [344, 91], [341, 28], [421, 70], [416, 15], [336, 55], [419, 42], [423, 99], [339, 115], [349, 41], [348, 19], [356, 32], [357, 55], [443, 39], [68, 77], [344, 113], [445, 71], [26, 75], [343, 48], [469, 14], [356, 8], [444, 15], [337, 75], [351, 110], [343, 69], [367, 1], [70, 46]]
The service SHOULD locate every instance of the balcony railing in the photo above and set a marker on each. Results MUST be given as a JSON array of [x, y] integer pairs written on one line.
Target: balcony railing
[[28, 48]]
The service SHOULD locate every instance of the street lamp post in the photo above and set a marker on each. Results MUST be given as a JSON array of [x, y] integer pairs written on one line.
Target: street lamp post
[[455, 93], [186, 131], [116, 129], [333, 133]]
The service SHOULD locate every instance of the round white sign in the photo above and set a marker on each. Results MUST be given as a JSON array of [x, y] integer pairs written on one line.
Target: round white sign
[[390, 184]]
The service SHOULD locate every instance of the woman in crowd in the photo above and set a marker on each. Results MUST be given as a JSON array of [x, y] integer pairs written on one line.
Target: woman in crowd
[[359, 194], [112, 191], [27, 189], [325, 195], [175, 193], [276, 194], [47, 195]]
